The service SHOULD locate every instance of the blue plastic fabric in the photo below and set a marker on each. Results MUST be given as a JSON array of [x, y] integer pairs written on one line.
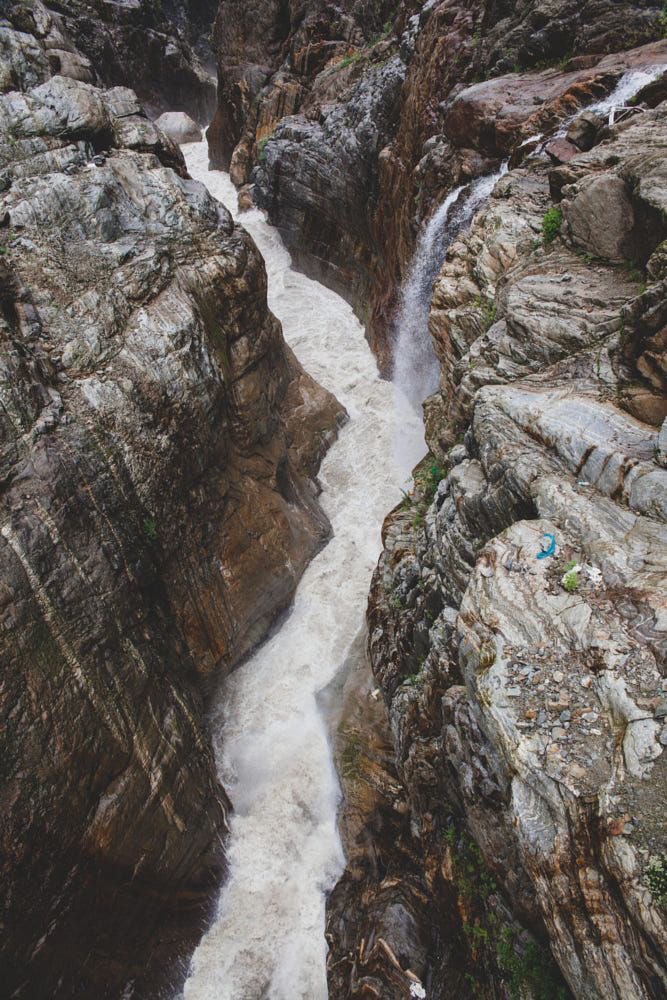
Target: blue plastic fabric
[[548, 550]]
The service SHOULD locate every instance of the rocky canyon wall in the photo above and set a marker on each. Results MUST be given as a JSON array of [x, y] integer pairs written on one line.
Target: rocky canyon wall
[[158, 443], [504, 826], [516, 620], [339, 115], [162, 50]]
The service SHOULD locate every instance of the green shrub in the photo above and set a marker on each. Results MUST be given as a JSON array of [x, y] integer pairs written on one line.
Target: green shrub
[[150, 528], [348, 60], [351, 755], [489, 315], [551, 223], [427, 481], [530, 972], [261, 149]]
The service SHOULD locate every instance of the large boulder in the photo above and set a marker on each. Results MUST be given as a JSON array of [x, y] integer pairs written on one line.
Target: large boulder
[[179, 127]]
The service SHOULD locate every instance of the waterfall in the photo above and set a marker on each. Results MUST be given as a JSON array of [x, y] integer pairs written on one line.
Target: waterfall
[[271, 741], [627, 87], [415, 369]]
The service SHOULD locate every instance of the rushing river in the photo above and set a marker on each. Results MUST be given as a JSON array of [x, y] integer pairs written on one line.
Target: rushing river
[[273, 753]]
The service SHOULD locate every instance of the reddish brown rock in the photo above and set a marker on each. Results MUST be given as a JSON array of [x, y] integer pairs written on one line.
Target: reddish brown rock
[[561, 150]]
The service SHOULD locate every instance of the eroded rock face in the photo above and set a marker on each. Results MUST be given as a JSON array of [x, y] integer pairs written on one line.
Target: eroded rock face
[[157, 440], [517, 617], [293, 95], [161, 50], [338, 154]]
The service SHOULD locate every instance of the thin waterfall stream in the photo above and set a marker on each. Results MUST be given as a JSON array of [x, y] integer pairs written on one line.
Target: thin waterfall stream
[[415, 369], [271, 742]]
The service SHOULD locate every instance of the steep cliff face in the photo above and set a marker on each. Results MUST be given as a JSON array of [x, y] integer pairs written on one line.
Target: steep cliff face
[[161, 50], [344, 112], [516, 619], [157, 443]]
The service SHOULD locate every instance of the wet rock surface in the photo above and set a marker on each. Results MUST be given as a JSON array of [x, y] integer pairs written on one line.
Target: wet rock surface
[[157, 446], [293, 99], [516, 619]]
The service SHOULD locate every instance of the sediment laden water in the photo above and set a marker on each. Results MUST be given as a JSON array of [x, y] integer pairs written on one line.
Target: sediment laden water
[[271, 744]]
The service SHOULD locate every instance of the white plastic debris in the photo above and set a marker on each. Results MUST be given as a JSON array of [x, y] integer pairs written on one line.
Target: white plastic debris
[[594, 575], [417, 990]]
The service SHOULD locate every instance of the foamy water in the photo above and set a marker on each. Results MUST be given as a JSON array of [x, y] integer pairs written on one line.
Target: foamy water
[[271, 743], [627, 88], [415, 370]]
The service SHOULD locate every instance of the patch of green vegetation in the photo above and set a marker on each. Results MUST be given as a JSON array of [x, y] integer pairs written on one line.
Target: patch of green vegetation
[[634, 274], [530, 969], [407, 501], [474, 880], [351, 755], [556, 62], [348, 60], [428, 479], [662, 21], [149, 527], [655, 878], [571, 577], [489, 315], [261, 148], [397, 602], [488, 309], [552, 220], [498, 951]]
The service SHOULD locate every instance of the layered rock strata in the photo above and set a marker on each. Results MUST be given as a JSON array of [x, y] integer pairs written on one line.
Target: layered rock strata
[[349, 116], [157, 446], [161, 50], [517, 617]]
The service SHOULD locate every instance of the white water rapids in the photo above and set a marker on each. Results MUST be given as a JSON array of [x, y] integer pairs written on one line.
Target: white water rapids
[[273, 754]]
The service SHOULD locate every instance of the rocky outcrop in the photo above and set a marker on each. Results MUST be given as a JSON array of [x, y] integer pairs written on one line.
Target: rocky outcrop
[[160, 50], [157, 447], [294, 102], [516, 619], [339, 156], [179, 127]]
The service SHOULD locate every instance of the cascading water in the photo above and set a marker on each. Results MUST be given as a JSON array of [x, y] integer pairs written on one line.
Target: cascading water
[[625, 90], [629, 85], [274, 758], [415, 366]]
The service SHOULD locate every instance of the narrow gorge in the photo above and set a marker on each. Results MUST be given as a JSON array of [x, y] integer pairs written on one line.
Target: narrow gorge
[[333, 591]]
